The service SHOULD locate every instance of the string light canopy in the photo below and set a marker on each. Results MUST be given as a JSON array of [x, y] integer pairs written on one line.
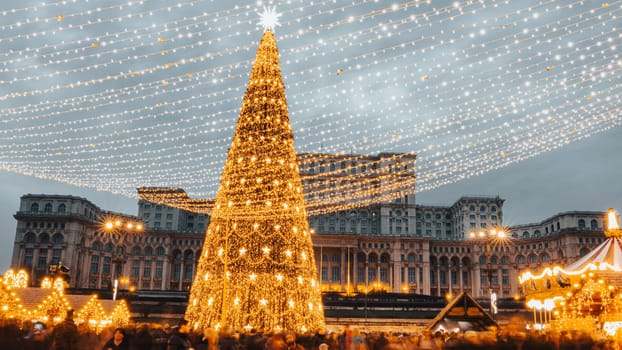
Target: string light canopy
[[145, 93], [257, 268]]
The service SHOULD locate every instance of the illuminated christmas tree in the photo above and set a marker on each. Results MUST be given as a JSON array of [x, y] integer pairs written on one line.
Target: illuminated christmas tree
[[257, 268]]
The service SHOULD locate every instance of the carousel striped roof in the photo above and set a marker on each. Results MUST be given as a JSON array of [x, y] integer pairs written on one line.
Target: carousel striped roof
[[608, 255]]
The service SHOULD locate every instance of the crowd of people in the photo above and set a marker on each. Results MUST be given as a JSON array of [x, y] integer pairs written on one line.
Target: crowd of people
[[67, 336]]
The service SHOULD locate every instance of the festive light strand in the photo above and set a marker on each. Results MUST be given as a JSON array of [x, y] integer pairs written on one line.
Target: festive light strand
[[469, 86]]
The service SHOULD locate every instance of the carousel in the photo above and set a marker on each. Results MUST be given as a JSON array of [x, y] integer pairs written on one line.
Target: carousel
[[583, 296]]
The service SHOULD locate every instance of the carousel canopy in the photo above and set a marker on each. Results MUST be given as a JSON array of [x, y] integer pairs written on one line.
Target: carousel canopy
[[608, 255]]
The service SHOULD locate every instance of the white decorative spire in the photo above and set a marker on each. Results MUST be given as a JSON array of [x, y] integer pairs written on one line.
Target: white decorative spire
[[269, 18]]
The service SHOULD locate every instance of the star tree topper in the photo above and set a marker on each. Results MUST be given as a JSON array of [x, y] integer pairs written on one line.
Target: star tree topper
[[269, 18]]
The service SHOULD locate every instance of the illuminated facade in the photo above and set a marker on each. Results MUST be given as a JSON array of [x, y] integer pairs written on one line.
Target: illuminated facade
[[53, 228]]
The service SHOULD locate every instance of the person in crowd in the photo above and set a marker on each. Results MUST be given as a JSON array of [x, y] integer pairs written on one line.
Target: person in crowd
[[209, 340], [345, 339], [179, 339], [228, 340], [143, 339], [65, 334], [381, 342], [160, 337], [276, 342], [358, 341], [290, 340], [36, 338], [118, 341], [254, 340]]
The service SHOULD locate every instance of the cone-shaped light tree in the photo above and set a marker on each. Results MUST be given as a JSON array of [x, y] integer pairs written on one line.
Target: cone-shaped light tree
[[257, 267]]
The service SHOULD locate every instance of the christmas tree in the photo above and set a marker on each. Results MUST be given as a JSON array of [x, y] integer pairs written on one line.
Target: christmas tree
[[257, 268]]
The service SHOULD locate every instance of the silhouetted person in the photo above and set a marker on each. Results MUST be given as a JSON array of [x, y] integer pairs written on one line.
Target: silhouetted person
[[65, 334], [142, 340], [179, 339], [118, 341]]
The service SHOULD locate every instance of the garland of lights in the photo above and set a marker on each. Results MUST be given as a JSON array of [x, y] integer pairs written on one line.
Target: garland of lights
[[465, 95]]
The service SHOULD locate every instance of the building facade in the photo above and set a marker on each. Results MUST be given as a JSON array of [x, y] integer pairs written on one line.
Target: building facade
[[67, 229]]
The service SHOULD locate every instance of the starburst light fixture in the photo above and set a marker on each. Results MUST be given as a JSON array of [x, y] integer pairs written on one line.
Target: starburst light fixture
[[269, 18]]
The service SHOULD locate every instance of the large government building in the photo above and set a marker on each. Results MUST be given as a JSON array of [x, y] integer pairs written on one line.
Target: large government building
[[389, 243]]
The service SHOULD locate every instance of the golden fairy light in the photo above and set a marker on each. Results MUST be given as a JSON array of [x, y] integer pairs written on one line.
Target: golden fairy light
[[256, 248]]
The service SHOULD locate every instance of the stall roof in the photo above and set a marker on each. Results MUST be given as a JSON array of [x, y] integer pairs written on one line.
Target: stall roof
[[464, 313]]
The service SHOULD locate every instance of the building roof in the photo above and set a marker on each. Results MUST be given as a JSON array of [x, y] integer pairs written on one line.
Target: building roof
[[32, 297]]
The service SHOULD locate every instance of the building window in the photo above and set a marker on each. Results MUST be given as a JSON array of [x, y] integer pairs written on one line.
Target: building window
[[106, 266], [43, 261], [58, 239], [593, 224], [176, 271], [147, 272], [30, 238], [581, 224], [371, 275], [62, 208], [47, 208], [188, 271], [159, 267], [28, 253], [56, 254], [324, 274], [483, 277], [360, 275], [411, 275], [336, 275], [384, 275], [34, 208]]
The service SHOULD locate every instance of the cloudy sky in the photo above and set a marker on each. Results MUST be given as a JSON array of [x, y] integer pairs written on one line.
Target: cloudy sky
[[520, 100]]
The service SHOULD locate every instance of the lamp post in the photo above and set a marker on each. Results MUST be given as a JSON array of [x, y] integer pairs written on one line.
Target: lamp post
[[489, 237], [119, 227]]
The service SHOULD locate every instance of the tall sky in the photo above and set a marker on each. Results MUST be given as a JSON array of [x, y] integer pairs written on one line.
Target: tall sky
[[517, 99]]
